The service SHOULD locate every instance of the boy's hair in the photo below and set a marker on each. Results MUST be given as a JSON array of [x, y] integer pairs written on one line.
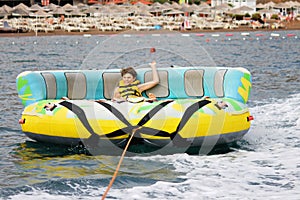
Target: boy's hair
[[129, 70]]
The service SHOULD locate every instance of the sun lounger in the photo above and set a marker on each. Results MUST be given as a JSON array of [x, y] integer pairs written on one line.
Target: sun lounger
[[70, 28], [277, 25], [143, 28], [171, 27], [256, 25], [216, 25], [116, 28], [106, 28]]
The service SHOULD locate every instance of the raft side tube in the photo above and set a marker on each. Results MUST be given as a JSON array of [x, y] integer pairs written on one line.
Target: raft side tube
[[175, 83]]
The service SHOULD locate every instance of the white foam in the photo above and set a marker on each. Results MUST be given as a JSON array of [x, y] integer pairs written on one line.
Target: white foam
[[233, 175], [278, 113]]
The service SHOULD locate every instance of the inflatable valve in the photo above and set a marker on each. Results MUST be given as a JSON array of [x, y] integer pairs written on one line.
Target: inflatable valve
[[250, 118], [21, 121]]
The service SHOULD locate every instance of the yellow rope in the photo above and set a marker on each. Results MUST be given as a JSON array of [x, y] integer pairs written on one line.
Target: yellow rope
[[119, 164]]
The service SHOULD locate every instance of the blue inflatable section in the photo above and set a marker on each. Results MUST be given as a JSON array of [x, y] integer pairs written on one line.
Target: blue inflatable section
[[31, 88], [61, 84], [176, 83]]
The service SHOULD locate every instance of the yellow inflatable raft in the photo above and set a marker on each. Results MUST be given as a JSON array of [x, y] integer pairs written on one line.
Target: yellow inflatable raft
[[196, 106]]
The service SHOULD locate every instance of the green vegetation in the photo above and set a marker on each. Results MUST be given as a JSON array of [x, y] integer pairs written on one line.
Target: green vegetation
[[275, 16], [256, 16], [247, 15], [238, 17]]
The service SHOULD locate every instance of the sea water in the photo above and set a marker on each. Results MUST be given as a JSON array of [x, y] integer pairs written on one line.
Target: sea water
[[264, 165]]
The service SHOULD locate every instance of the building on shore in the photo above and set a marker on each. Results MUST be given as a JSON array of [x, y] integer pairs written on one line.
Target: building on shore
[[235, 3]]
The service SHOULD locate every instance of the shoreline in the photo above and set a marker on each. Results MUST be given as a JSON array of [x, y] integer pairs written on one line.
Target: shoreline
[[289, 26]]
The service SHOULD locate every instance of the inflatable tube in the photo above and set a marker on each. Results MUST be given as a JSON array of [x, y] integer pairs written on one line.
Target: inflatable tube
[[195, 106]]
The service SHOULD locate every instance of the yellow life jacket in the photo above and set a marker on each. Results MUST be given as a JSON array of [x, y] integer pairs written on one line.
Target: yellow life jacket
[[129, 91]]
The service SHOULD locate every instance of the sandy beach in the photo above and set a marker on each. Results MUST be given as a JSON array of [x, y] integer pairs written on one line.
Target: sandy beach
[[293, 25]]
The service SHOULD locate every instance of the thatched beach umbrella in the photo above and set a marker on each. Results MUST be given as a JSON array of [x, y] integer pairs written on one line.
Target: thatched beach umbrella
[[261, 6], [175, 5], [135, 8], [204, 11], [174, 12], [40, 14], [282, 5], [204, 5], [194, 7], [3, 12], [97, 6], [75, 12], [82, 6], [90, 10], [296, 4], [143, 13], [140, 5], [155, 11], [270, 4], [157, 8], [242, 10], [167, 4], [122, 11], [20, 12], [21, 6], [52, 6], [222, 7], [68, 7], [111, 10], [7, 9], [105, 11], [186, 8], [156, 4], [59, 11], [112, 6], [267, 11], [35, 8]]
